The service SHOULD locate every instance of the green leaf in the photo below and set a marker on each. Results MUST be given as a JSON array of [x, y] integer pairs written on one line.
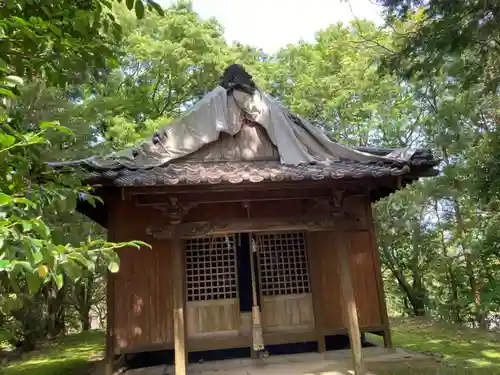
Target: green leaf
[[27, 225], [23, 264], [33, 281], [79, 258], [14, 80], [59, 279], [139, 244], [72, 270], [107, 4], [139, 9], [24, 201], [42, 229], [6, 140], [7, 93], [55, 30], [55, 125], [37, 256], [156, 7], [130, 4], [4, 264], [5, 199], [113, 267]]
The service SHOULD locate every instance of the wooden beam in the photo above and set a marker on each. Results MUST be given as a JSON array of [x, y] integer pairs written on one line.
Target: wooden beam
[[301, 223], [177, 270], [233, 196], [349, 302]]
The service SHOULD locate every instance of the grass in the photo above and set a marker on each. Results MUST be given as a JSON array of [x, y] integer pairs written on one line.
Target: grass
[[68, 356], [452, 349]]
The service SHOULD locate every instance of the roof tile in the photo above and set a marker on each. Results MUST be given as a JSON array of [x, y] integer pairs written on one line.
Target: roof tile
[[235, 173]]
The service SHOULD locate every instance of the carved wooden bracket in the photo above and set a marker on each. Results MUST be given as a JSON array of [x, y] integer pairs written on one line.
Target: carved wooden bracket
[[334, 204], [174, 210], [206, 228]]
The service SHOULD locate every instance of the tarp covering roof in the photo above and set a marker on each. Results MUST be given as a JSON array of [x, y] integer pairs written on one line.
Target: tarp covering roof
[[305, 151]]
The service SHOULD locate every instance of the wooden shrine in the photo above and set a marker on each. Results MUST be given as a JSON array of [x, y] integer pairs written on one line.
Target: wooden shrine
[[246, 251]]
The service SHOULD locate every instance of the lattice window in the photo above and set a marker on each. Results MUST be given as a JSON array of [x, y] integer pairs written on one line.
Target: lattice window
[[211, 268], [283, 263]]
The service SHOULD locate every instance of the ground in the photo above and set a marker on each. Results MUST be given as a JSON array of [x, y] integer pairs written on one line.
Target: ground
[[455, 351]]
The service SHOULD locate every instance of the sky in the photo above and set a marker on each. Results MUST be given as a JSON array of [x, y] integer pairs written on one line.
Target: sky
[[272, 24]]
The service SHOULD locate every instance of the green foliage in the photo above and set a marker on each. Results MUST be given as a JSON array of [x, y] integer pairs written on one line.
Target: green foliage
[[61, 41], [26, 245], [449, 52], [458, 35], [50, 46], [44, 42]]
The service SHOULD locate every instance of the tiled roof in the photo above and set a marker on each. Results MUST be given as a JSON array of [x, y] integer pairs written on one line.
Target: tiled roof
[[239, 172]]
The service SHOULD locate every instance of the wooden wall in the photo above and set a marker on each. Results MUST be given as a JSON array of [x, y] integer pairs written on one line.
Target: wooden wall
[[142, 306], [326, 280], [142, 311]]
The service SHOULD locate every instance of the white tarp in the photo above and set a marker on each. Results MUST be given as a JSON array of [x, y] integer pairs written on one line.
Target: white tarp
[[219, 112]]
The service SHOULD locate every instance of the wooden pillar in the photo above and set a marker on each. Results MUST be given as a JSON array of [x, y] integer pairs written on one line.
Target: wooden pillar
[[349, 302], [314, 254], [177, 271], [110, 325], [380, 282], [110, 294]]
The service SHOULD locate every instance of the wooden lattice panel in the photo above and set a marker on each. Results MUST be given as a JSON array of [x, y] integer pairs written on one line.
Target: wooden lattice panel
[[283, 263], [211, 268]]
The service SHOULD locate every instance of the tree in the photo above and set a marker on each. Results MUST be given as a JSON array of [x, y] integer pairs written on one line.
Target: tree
[[50, 45], [167, 64], [457, 34], [335, 81]]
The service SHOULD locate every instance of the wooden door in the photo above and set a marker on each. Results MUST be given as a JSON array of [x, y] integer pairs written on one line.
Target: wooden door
[[284, 282], [212, 304]]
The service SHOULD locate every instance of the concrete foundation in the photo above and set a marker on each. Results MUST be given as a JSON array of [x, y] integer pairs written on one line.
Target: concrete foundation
[[336, 362]]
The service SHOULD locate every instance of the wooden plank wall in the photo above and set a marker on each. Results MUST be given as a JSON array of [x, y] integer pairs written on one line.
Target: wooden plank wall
[[142, 298], [327, 279], [206, 318], [142, 302], [292, 313]]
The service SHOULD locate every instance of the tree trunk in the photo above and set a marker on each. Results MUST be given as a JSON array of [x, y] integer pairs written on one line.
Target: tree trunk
[[469, 261], [415, 296], [406, 304], [454, 293], [85, 321], [419, 294], [469, 267], [418, 307], [83, 294], [55, 310]]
